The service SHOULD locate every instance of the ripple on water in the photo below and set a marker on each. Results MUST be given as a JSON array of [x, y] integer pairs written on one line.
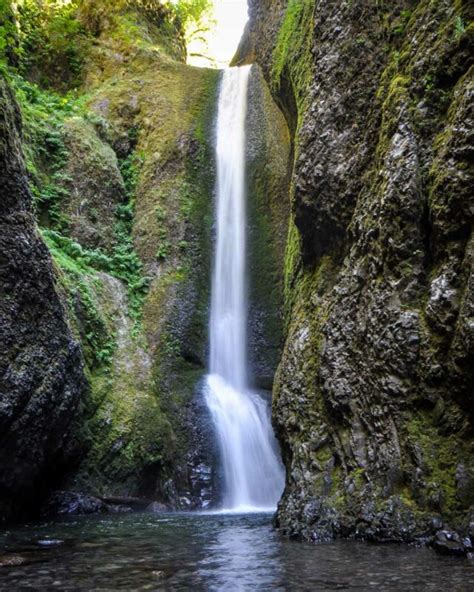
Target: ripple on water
[[210, 552]]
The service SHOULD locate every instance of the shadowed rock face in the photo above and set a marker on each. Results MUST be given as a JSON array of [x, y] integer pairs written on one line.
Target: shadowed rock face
[[373, 399], [41, 370], [135, 177], [268, 205]]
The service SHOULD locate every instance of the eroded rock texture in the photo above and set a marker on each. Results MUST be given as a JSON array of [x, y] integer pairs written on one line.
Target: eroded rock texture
[[268, 211], [123, 188], [41, 368], [373, 401]]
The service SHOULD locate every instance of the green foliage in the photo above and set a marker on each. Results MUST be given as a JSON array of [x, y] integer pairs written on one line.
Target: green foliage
[[160, 213], [292, 54], [44, 149], [43, 115], [123, 263], [77, 278], [459, 27], [163, 250], [130, 170], [126, 265], [100, 345], [51, 42], [8, 34], [186, 12], [399, 27], [191, 12]]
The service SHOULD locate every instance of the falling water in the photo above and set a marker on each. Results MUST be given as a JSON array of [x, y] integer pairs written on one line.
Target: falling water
[[253, 472]]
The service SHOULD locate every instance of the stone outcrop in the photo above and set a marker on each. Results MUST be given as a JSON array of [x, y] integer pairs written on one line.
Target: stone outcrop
[[373, 397], [104, 341], [42, 378], [268, 212], [123, 181]]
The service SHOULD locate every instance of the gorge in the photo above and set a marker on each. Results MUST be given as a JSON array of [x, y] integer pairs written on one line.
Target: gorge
[[182, 248]]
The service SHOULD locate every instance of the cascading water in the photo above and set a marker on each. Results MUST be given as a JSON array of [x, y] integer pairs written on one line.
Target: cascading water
[[253, 473]]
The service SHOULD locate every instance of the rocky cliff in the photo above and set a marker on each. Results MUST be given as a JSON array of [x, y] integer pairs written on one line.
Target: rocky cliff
[[41, 365], [373, 398], [104, 337]]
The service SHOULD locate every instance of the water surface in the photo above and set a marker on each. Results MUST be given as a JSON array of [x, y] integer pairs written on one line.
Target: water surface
[[212, 552]]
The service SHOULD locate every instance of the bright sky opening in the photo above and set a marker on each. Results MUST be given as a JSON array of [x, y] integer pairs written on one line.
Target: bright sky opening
[[217, 47]]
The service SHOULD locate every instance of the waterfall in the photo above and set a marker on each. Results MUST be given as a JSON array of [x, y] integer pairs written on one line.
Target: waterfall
[[253, 473]]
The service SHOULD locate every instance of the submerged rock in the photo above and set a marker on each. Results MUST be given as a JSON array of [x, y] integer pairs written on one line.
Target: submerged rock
[[13, 560], [157, 508], [450, 543], [69, 502]]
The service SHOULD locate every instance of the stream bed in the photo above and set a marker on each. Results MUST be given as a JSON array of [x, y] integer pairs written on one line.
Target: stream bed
[[210, 552]]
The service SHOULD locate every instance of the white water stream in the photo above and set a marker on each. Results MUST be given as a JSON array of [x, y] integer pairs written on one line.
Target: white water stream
[[253, 473]]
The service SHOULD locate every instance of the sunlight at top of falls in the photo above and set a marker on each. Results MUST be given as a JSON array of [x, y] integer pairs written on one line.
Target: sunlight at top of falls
[[216, 47]]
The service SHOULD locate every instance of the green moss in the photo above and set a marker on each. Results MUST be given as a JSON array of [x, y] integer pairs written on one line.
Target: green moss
[[292, 54], [441, 455], [292, 262], [337, 496], [91, 324]]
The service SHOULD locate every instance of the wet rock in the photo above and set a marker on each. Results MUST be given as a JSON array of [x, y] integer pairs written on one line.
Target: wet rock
[[69, 502], [449, 543], [470, 524], [125, 503], [159, 574], [41, 367], [13, 560], [465, 483], [267, 170], [379, 284], [117, 509], [157, 508]]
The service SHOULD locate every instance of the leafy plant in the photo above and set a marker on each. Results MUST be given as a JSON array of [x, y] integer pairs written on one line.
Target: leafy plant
[[163, 250], [51, 42], [44, 113], [191, 12], [459, 27], [8, 35]]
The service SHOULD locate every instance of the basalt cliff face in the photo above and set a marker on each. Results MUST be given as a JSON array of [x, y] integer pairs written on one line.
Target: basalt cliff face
[[107, 232], [40, 361], [374, 394], [105, 242]]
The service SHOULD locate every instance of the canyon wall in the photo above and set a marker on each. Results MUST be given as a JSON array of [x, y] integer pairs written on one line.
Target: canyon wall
[[104, 337], [41, 365], [108, 201], [373, 398]]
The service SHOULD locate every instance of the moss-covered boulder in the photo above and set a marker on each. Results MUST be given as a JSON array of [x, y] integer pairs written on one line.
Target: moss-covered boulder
[[94, 185]]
